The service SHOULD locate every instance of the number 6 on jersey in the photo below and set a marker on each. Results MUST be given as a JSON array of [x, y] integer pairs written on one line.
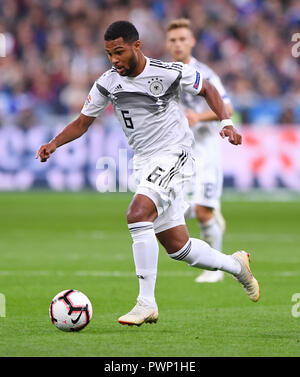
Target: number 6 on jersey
[[127, 119]]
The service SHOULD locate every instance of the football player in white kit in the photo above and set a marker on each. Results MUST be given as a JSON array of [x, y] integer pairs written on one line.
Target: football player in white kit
[[203, 192], [145, 95]]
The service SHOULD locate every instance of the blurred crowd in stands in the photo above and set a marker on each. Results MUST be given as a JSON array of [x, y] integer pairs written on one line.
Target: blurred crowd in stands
[[55, 51]]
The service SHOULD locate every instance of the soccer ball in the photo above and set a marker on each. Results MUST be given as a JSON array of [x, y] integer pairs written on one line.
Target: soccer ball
[[70, 310]]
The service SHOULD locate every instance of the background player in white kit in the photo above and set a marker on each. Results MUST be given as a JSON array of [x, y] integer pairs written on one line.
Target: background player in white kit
[[203, 192], [145, 95]]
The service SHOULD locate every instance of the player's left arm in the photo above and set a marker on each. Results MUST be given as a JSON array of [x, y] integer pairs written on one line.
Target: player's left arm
[[217, 105], [206, 115]]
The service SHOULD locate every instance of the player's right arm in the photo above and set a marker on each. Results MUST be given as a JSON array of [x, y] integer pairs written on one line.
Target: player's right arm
[[71, 132], [95, 104]]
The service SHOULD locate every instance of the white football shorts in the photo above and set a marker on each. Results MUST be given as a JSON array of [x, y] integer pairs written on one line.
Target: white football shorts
[[205, 187], [162, 178]]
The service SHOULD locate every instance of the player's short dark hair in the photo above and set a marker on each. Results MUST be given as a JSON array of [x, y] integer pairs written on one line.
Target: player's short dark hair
[[124, 29]]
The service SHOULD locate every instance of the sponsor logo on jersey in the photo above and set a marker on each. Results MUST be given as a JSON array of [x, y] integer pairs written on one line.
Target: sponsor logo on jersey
[[156, 87], [118, 88], [197, 81]]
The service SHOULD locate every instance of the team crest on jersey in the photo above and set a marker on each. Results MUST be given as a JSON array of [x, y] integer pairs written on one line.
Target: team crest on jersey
[[156, 87]]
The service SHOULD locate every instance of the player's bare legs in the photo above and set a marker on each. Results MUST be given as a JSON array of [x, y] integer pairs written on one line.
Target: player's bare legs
[[211, 232], [204, 214], [174, 239], [140, 216], [178, 244], [198, 253], [195, 252], [141, 208]]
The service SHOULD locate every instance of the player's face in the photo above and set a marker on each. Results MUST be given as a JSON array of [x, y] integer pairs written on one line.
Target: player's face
[[123, 55], [180, 43]]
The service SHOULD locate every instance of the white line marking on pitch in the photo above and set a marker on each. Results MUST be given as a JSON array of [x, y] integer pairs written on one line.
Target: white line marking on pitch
[[89, 273], [125, 274], [291, 238]]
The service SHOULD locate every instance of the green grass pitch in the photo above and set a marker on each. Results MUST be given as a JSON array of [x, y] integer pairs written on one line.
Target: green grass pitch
[[50, 242]]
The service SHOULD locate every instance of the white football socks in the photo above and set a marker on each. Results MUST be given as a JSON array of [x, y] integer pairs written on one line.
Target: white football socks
[[212, 233], [145, 253], [198, 253]]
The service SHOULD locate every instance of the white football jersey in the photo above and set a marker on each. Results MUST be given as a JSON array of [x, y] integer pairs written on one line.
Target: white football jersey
[[198, 104], [147, 105]]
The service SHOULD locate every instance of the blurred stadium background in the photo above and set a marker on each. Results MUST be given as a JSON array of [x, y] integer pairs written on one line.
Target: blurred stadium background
[[54, 52]]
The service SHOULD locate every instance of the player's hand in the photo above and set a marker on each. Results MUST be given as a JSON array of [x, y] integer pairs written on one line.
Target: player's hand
[[192, 117], [45, 151], [233, 136]]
